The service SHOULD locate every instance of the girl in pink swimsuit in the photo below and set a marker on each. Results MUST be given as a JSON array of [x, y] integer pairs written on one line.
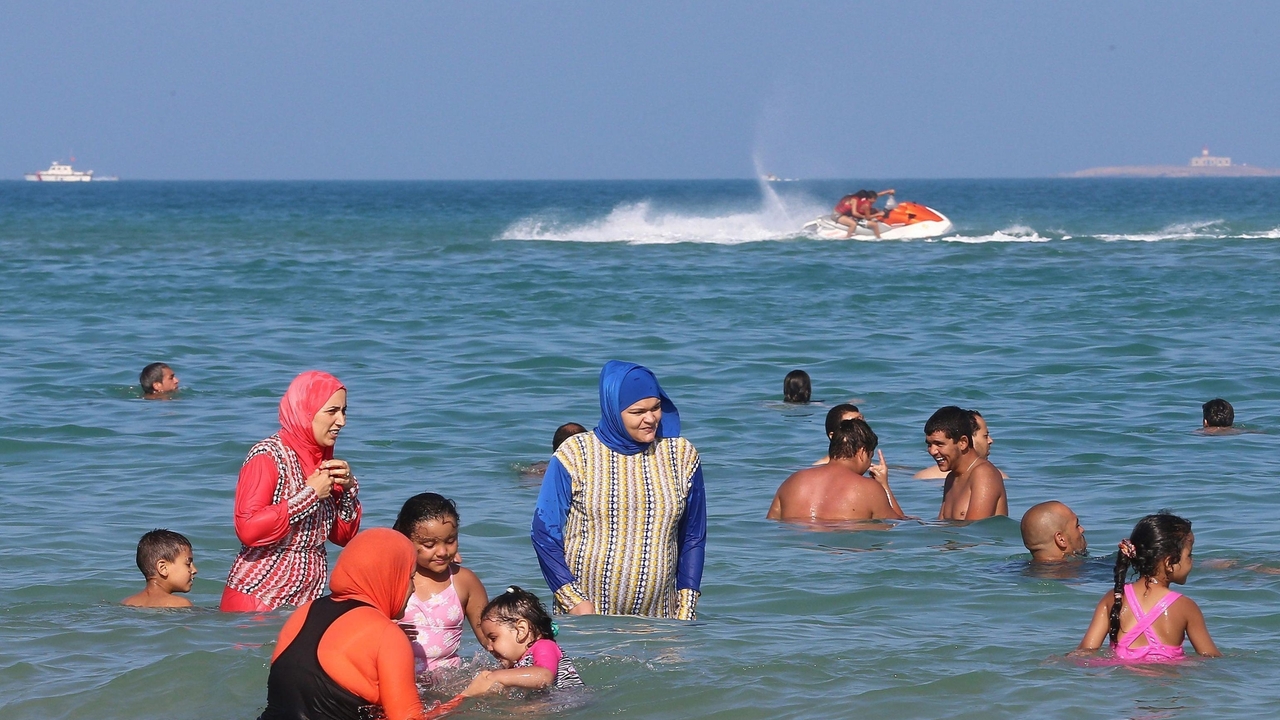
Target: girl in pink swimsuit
[[444, 593], [1146, 620]]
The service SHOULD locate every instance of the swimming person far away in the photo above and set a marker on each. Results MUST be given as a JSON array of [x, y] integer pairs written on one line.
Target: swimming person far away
[[166, 561], [974, 489], [562, 433], [158, 381], [1052, 532], [1219, 417], [796, 387], [839, 490]]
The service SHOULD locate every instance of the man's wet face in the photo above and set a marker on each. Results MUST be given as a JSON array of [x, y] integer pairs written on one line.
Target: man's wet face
[[944, 450]]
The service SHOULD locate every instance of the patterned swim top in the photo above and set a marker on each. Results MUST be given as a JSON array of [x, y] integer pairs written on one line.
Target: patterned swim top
[[438, 620]]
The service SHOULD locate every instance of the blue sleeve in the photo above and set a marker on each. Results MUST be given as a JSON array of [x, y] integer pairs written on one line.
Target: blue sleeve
[[547, 532], [693, 536]]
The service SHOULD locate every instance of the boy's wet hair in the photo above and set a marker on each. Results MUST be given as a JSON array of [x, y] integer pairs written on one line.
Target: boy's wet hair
[[836, 413], [954, 422], [424, 507], [1156, 538], [517, 604], [151, 375], [564, 432], [159, 544], [796, 387], [852, 435], [1219, 413]]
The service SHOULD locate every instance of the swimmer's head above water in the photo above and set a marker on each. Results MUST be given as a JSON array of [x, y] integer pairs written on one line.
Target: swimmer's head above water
[[1052, 532], [1218, 413], [564, 432], [840, 413], [948, 436], [796, 387], [157, 380], [853, 439]]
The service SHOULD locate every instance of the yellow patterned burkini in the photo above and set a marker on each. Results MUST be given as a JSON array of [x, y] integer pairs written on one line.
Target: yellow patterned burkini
[[621, 537]]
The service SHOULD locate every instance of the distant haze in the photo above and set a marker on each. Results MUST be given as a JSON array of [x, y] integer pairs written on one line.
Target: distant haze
[[445, 90]]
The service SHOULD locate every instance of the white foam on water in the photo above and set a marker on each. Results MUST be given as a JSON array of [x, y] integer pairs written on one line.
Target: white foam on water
[[1178, 231], [639, 223], [1012, 234], [1272, 234]]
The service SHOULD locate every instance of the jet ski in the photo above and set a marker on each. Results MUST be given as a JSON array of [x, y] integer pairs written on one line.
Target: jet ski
[[905, 221]]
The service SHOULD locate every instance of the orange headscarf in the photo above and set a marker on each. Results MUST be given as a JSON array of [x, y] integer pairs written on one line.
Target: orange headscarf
[[304, 398], [376, 567]]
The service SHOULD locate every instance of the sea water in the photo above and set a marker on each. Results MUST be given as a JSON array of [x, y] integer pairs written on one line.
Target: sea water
[[1087, 320]]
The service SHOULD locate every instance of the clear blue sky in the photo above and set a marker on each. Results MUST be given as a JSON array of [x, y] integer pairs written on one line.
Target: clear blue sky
[[455, 90]]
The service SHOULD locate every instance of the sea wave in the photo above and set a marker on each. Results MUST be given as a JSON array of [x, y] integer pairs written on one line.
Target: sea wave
[[641, 224], [1012, 234], [1200, 230]]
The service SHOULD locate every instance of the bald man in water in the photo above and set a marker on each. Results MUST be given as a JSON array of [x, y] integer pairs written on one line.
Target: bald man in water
[[839, 490], [1053, 533]]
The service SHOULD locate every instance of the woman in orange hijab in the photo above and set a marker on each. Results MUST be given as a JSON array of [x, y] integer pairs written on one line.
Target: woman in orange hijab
[[292, 496], [345, 651]]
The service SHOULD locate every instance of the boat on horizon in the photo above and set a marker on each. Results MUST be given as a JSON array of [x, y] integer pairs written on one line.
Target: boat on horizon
[[59, 172]]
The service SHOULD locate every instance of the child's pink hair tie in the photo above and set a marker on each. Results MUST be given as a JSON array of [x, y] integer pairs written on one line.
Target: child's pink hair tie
[[1127, 549]]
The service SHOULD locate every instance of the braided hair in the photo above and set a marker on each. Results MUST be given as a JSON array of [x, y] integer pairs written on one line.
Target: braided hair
[[1155, 539], [517, 604]]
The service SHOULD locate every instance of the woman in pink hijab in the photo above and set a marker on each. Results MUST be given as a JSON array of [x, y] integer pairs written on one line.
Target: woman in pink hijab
[[292, 496]]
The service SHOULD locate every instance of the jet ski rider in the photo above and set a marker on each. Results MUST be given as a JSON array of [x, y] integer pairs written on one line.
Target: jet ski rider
[[860, 208]]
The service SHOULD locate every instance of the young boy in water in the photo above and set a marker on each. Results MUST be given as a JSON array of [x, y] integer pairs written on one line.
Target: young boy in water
[[166, 561]]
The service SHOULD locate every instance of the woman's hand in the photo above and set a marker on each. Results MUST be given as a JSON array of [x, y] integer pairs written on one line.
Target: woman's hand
[[339, 470], [321, 482], [586, 607], [483, 683]]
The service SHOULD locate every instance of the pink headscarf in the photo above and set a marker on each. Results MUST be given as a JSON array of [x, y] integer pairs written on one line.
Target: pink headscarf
[[305, 397]]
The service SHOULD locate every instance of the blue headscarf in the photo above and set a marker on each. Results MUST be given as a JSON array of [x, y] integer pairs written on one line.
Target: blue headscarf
[[621, 385]]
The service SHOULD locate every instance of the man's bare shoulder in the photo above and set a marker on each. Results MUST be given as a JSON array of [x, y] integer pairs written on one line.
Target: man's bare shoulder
[[986, 474]]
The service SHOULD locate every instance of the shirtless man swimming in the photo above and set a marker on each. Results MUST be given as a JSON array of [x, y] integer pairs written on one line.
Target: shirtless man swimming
[[974, 489], [982, 442], [839, 490], [1052, 532]]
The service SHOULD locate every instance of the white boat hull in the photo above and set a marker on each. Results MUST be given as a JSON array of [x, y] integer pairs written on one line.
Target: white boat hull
[[42, 177], [60, 172], [829, 229]]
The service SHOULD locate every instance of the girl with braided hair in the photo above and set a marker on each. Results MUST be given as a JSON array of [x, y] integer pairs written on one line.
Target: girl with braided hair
[[1146, 620]]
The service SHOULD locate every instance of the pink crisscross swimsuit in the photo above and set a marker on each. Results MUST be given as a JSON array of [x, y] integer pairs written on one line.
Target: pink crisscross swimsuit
[[1154, 650]]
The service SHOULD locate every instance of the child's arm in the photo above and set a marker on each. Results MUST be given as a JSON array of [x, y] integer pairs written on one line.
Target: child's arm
[[1099, 627], [1197, 632], [473, 596], [533, 677]]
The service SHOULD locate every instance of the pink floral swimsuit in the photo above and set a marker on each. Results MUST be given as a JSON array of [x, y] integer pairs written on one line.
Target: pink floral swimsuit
[[438, 620]]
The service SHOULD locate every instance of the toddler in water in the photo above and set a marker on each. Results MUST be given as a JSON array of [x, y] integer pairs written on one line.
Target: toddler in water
[[1146, 620], [518, 631], [166, 561], [443, 592]]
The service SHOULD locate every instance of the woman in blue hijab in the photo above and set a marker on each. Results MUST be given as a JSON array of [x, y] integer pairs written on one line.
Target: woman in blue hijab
[[621, 521]]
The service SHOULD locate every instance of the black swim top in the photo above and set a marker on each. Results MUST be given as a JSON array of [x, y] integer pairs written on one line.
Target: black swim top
[[298, 688]]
